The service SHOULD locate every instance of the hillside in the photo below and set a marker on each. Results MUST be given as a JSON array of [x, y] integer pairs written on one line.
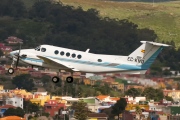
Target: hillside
[[163, 18]]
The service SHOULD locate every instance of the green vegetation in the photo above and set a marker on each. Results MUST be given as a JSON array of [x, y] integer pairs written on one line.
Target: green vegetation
[[133, 92], [162, 17], [121, 81], [81, 110], [23, 82], [153, 94], [14, 112], [119, 107]]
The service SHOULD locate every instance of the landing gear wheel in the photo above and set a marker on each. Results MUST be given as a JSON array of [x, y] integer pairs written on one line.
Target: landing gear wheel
[[10, 70], [69, 79], [55, 79]]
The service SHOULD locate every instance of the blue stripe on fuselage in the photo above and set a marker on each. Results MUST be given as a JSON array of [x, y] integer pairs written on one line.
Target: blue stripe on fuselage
[[103, 64]]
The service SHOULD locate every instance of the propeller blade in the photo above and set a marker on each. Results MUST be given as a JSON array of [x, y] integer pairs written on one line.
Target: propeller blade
[[17, 62]]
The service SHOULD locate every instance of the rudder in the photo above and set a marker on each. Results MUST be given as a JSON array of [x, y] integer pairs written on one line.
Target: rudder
[[145, 55]]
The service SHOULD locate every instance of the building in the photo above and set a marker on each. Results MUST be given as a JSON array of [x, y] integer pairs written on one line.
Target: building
[[53, 107], [12, 118], [4, 108], [23, 93], [175, 94], [5, 49], [97, 116], [13, 40], [15, 101]]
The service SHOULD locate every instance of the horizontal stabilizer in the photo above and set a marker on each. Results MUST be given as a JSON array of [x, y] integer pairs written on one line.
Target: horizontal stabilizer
[[156, 44]]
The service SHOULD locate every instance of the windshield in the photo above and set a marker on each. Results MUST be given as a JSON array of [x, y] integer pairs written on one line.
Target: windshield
[[38, 48]]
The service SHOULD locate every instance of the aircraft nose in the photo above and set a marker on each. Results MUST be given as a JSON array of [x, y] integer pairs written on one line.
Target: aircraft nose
[[13, 52]]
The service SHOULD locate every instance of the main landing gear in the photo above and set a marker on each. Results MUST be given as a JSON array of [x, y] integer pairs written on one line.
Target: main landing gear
[[69, 79]]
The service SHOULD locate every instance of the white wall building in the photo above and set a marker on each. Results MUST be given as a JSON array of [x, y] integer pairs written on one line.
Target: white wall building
[[15, 101]]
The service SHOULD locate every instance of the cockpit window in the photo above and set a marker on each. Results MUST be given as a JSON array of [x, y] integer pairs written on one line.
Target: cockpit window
[[43, 49], [37, 48]]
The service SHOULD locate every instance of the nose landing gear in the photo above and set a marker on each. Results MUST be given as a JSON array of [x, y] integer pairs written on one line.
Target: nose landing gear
[[10, 70]]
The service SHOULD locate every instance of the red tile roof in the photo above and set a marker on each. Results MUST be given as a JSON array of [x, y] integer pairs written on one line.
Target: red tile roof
[[7, 106], [97, 115]]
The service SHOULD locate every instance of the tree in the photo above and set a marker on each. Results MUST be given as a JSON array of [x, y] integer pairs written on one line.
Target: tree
[[14, 111], [23, 81], [168, 98], [119, 107], [81, 111], [1, 53], [30, 107], [151, 93], [133, 92], [138, 112]]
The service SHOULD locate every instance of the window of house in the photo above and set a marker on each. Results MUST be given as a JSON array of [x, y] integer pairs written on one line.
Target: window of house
[[48, 107], [56, 52], [67, 54], [43, 49], [73, 55], [62, 53], [79, 56]]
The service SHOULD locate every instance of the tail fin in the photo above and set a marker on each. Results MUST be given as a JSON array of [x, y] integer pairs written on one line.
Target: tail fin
[[145, 55]]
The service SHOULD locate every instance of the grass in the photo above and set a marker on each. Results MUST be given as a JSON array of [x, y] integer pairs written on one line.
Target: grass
[[163, 18]]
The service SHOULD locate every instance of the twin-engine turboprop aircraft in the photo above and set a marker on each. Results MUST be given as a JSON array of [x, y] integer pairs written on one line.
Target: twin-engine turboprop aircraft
[[73, 60]]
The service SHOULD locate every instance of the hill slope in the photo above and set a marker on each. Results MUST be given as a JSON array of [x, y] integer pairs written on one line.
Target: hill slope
[[163, 18]]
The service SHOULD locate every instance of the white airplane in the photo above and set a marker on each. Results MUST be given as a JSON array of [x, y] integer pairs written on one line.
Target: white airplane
[[73, 60]]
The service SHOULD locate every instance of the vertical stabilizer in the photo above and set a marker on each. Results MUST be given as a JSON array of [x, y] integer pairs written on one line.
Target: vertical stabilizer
[[145, 55]]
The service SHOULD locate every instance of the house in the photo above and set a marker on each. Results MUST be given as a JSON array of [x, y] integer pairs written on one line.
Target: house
[[127, 87], [13, 40], [126, 115], [2, 70], [40, 98], [12, 118], [22, 93], [5, 49], [53, 107], [87, 81], [175, 94], [4, 108], [97, 116], [15, 101]]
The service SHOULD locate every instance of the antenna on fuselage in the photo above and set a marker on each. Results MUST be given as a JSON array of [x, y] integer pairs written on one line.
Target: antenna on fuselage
[[87, 50]]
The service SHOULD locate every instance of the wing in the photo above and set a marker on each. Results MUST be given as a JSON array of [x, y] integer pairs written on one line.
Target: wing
[[55, 62]]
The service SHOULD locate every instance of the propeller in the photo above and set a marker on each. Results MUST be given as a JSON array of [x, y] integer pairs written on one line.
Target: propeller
[[18, 55]]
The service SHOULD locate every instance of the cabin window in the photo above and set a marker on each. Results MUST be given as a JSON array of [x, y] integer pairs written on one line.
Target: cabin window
[[37, 48], [99, 60], [43, 49], [62, 53], [67, 54], [73, 55], [79, 56], [56, 52]]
